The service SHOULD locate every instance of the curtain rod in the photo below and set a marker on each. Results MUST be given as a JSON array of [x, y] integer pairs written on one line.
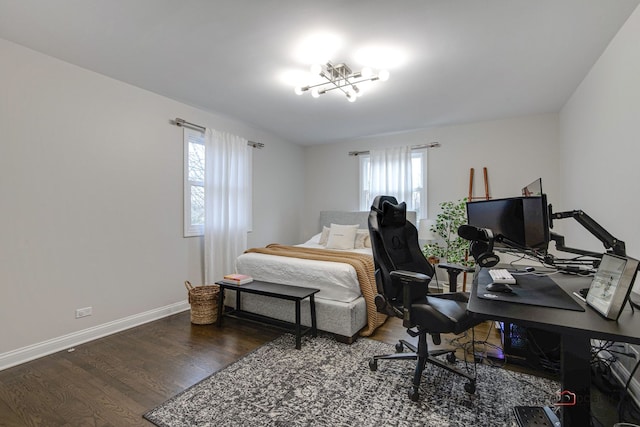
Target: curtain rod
[[414, 147], [183, 123]]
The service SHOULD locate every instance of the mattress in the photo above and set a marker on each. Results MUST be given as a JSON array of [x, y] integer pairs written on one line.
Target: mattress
[[337, 281]]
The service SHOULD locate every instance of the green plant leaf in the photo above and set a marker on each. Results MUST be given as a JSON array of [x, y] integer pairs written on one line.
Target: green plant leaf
[[449, 245]]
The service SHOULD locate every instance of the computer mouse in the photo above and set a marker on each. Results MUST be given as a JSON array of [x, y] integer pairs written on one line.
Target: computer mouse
[[499, 287]]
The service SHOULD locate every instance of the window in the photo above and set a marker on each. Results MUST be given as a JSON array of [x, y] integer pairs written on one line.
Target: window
[[418, 200], [193, 183]]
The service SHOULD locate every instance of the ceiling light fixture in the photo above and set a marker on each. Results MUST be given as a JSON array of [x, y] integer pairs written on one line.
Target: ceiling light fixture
[[340, 76]]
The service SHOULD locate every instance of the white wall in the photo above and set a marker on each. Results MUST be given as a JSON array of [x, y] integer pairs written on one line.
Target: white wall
[[599, 138], [515, 151], [91, 183], [91, 198], [600, 144]]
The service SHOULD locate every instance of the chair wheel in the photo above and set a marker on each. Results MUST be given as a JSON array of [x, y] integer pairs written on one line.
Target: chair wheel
[[373, 364], [470, 387], [451, 357], [413, 394], [399, 347], [436, 338]]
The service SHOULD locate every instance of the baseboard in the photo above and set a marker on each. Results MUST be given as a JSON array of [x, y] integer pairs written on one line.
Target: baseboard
[[35, 351]]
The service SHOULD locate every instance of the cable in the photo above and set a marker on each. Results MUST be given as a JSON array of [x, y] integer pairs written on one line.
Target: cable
[[466, 365], [544, 360], [471, 347], [522, 256], [625, 391], [438, 285]]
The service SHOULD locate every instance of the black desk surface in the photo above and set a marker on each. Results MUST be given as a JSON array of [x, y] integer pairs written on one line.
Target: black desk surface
[[531, 289], [587, 323]]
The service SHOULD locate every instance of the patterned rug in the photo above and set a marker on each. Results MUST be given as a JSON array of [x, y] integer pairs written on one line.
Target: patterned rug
[[328, 383]]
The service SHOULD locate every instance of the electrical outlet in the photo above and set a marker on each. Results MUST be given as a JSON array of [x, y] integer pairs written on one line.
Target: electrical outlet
[[84, 312]]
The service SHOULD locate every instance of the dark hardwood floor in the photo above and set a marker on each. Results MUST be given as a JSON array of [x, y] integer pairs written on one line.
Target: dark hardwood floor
[[114, 380]]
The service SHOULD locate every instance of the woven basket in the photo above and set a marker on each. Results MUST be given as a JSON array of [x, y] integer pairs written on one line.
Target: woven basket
[[204, 303]]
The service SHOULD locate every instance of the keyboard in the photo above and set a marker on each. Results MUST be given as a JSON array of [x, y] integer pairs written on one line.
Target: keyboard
[[501, 275]]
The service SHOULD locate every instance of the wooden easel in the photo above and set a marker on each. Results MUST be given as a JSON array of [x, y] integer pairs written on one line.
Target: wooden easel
[[471, 198], [486, 185]]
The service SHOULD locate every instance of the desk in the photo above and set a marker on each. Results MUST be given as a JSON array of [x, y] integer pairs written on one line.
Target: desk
[[576, 329]]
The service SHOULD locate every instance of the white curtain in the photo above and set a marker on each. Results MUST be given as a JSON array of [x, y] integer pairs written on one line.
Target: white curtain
[[227, 189], [390, 174]]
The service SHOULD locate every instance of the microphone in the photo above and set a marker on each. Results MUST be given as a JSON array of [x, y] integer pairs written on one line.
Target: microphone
[[481, 247], [475, 234]]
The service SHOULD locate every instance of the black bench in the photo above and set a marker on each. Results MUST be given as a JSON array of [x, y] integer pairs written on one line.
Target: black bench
[[275, 290]]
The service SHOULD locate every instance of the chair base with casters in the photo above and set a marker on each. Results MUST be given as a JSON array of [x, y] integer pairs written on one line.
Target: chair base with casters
[[421, 353], [423, 356]]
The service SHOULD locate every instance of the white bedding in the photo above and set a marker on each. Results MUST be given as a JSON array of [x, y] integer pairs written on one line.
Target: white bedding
[[337, 281]]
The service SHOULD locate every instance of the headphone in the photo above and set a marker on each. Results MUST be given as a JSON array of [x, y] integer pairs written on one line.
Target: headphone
[[483, 253], [481, 247]]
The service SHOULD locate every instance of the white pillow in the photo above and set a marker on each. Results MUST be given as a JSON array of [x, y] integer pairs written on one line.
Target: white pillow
[[362, 239], [324, 236], [342, 236], [313, 240]]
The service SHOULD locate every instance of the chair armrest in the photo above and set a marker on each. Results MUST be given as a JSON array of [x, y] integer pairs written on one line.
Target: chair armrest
[[408, 279], [410, 276], [454, 271], [456, 267]]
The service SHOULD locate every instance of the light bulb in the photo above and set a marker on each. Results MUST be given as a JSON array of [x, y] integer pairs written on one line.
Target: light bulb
[[315, 93], [316, 69], [351, 96], [298, 90], [366, 72], [383, 75]]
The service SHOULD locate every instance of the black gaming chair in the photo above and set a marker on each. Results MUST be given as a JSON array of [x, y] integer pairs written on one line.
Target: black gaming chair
[[402, 278]]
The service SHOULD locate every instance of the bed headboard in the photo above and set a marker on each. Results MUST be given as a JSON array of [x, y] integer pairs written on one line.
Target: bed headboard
[[348, 218]]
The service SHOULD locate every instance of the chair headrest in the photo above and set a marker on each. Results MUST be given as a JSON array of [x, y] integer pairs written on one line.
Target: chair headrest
[[393, 214], [379, 200]]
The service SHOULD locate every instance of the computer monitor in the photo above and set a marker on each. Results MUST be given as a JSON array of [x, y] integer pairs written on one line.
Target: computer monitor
[[520, 222], [533, 189]]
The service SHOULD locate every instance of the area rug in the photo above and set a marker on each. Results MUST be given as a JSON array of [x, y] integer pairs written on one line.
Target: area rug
[[328, 383]]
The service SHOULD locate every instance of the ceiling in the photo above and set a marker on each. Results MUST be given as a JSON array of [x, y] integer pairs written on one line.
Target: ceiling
[[454, 61]]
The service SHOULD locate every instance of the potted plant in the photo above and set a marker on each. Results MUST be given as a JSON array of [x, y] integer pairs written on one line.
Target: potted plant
[[449, 246]]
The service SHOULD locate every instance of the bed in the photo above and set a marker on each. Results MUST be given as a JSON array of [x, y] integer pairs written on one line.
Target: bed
[[341, 307]]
